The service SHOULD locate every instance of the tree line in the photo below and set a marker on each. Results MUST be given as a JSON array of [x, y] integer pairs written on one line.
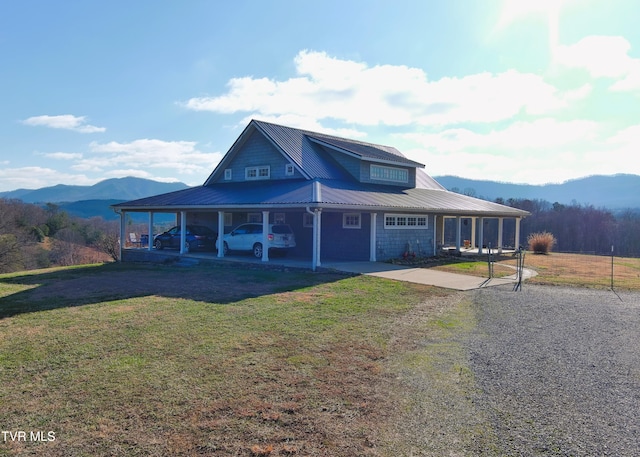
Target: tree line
[[576, 228], [33, 236]]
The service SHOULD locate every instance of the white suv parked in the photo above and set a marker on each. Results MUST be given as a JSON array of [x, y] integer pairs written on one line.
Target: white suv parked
[[248, 237]]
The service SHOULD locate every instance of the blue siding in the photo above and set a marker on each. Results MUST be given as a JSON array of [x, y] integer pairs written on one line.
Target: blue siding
[[258, 151], [350, 164], [338, 243]]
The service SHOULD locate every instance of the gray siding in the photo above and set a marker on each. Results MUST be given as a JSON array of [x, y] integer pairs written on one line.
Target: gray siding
[[258, 151], [392, 243]]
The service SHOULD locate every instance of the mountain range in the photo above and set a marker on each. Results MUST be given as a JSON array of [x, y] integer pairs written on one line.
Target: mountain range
[[91, 201], [110, 189], [613, 192]]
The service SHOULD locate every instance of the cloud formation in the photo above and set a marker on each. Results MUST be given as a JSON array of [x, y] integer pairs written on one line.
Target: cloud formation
[[64, 121], [483, 122]]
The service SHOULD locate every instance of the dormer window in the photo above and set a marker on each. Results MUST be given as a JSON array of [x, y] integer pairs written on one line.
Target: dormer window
[[391, 174], [254, 173]]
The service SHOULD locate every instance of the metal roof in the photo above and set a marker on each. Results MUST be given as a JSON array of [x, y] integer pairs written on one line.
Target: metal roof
[[336, 194]]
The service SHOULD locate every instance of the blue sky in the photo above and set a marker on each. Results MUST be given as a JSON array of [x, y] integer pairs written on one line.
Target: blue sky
[[515, 91]]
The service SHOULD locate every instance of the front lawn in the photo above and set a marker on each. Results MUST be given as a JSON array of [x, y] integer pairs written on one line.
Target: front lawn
[[156, 360]]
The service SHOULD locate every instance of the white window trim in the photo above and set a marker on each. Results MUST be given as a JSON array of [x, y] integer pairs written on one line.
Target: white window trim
[[396, 217], [345, 216], [289, 169], [228, 174], [259, 170], [278, 218], [228, 219], [390, 169]]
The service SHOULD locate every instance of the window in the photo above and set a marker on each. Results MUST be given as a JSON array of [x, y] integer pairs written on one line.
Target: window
[[278, 218], [351, 220], [261, 172], [405, 221], [307, 220], [288, 169], [227, 174], [380, 173], [228, 219]]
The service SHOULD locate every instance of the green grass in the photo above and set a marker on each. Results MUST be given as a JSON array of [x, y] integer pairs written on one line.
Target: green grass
[[142, 360]]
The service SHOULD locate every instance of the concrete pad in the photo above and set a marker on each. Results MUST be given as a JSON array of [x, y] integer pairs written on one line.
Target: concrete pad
[[419, 275]]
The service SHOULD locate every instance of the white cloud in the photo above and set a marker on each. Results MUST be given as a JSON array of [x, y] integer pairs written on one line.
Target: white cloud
[[352, 92], [62, 155], [603, 57], [180, 156], [37, 177], [537, 152], [64, 121]]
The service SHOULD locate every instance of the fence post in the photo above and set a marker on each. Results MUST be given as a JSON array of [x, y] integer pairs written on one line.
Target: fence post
[[612, 267]]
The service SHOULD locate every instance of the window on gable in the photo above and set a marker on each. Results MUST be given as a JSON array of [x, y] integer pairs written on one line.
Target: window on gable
[[227, 174], [392, 174], [351, 220], [261, 172], [405, 221], [288, 169]]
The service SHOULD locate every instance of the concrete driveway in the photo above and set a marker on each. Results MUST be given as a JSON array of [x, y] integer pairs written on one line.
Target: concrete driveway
[[421, 275]]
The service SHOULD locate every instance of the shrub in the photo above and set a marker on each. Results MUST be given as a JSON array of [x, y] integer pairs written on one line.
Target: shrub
[[541, 243]]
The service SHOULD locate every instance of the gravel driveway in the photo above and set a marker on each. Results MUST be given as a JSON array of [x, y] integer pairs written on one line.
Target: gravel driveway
[[557, 370]]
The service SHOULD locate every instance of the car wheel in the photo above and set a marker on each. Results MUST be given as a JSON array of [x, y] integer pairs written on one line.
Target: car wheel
[[257, 250], [158, 245], [225, 248]]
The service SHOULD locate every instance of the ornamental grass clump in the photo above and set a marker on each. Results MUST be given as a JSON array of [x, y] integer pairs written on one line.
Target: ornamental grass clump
[[541, 243]]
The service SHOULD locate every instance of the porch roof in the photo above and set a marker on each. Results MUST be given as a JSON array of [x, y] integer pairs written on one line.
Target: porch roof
[[321, 193]]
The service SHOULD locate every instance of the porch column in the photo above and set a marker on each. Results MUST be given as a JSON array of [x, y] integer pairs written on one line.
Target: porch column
[[517, 240], [220, 233], [150, 231], [183, 232], [500, 229], [373, 235], [265, 236], [473, 233], [458, 232], [435, 234], [123, 224], [318, 222], [481, 235], [441, 229]]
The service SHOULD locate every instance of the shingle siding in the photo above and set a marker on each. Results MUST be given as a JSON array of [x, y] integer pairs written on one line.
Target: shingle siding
[[258, 151], [393, 243]]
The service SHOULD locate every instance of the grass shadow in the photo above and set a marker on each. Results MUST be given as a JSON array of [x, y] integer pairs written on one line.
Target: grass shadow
[[221, 283]]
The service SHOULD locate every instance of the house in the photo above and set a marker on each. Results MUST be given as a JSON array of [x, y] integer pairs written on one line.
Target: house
[[345, 199]]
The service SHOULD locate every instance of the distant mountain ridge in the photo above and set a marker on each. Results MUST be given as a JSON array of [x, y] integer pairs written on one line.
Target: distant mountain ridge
[[613, 192], [122, 189]]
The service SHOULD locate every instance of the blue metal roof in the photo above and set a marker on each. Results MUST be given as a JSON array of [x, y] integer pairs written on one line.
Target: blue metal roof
[[337, 194]]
